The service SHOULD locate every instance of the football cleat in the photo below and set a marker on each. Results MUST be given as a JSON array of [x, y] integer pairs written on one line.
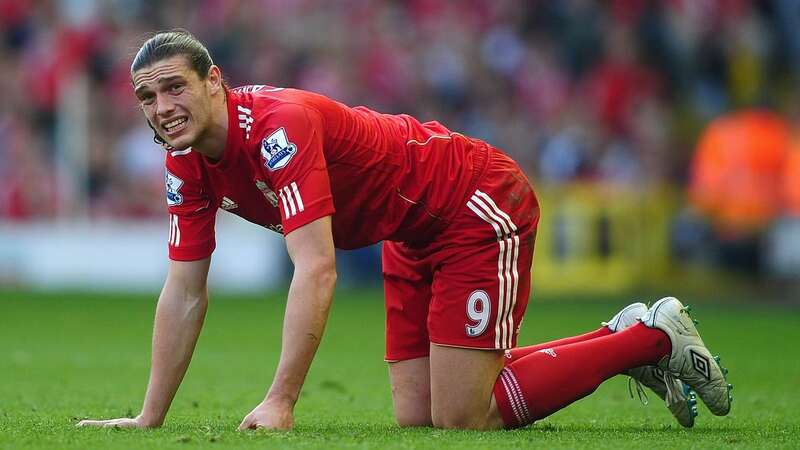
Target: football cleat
[[690, 361], [679, 398], [629, 315]]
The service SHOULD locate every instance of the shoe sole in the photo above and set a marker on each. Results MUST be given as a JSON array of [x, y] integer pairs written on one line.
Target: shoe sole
[[691, 406]]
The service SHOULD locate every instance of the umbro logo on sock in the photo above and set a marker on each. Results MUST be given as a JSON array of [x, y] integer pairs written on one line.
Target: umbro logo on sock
[[701, 364]]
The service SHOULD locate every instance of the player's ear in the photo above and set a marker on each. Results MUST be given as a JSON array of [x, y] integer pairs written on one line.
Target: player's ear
[[214, 79]]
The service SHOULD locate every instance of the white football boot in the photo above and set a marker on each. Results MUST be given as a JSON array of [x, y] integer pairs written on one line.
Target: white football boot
[[690, 361], [680, 399]]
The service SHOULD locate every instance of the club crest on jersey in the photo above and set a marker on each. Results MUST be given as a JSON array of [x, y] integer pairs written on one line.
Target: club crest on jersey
[[277, 150], [174, 197]]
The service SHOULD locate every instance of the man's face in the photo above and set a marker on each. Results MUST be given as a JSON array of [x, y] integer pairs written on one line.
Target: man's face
[[175, 100]]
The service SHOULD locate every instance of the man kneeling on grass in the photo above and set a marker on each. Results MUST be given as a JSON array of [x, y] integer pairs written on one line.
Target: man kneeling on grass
[[457, 218]]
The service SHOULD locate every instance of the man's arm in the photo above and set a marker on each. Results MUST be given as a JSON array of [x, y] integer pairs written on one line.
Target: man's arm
[[310, 293], [179, 318]]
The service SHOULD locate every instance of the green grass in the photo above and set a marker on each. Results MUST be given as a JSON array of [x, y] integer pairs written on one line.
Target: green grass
[[72, 356]]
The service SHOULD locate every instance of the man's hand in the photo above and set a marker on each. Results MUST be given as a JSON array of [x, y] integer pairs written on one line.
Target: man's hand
[[124, 422], [271, 415], [307, 306], [179, 317]]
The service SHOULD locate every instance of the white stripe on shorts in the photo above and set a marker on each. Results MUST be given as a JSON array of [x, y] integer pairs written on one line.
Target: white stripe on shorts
[[485, 208], [514, 236]]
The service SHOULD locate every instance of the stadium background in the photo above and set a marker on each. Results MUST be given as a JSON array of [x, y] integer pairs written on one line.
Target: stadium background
[[604, 103]]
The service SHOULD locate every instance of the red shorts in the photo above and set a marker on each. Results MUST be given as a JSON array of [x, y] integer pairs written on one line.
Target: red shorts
[[469, 287]]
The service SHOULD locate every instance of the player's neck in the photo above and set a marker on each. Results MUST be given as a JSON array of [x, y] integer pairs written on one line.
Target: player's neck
[[212, 142]]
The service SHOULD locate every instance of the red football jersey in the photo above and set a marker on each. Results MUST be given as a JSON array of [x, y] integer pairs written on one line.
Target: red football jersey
[[293, 156]]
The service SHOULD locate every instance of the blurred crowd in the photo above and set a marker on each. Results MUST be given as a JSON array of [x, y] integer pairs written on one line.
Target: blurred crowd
[[612, 91]]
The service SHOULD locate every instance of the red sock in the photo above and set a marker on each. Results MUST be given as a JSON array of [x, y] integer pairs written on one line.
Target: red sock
[[545, 381], [520, 352]]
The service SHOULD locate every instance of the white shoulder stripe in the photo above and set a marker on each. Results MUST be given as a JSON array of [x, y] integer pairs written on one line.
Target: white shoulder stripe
[[174, 231], [245, 120], [297, 196], [291, 200], [283, 202]]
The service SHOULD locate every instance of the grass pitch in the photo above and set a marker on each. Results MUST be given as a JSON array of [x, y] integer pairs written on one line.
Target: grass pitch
[[72, 356]]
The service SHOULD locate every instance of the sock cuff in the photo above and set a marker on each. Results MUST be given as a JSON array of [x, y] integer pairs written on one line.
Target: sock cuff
[[510, 400]]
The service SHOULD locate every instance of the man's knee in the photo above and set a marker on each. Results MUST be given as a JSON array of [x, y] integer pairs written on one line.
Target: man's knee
[[464, 402], [460, 420], [416, 418], [412, 407], [468, 419], [411, 392]]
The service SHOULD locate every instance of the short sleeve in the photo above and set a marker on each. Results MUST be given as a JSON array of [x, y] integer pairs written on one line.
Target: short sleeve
[[191, 214], [293, 160]]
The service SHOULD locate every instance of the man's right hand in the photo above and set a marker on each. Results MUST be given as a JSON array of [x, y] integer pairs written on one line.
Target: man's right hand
[[179, 317], [124, 422]]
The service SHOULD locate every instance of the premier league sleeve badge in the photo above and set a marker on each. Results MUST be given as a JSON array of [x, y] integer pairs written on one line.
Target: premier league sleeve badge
[[276, 150]]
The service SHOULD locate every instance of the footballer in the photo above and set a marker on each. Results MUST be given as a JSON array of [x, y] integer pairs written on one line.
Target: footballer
[[457, 218]]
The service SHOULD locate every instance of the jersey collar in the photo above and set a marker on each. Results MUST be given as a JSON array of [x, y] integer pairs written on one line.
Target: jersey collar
[[235, 135]]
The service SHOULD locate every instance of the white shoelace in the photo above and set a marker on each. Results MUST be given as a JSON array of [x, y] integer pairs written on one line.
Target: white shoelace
[[639, 390], [670, 392]]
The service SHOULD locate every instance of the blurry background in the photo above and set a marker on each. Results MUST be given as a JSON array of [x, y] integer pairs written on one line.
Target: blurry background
[[662, 136]]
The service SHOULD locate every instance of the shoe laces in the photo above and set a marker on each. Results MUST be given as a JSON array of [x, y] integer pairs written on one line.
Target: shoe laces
[[668, 384], [639, 390]]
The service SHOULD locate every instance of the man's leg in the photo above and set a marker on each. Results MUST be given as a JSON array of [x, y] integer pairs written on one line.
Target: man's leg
[[520, 352], [462, 380], [480, 293], [407, 291], [548, 380], [534, 386], [623, 319], [411, 391]]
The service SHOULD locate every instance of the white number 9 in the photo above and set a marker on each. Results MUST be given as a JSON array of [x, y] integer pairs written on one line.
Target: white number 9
[[479, 308]]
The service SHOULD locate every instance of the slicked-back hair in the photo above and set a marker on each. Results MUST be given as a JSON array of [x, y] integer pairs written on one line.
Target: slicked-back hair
[[165, 45]]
